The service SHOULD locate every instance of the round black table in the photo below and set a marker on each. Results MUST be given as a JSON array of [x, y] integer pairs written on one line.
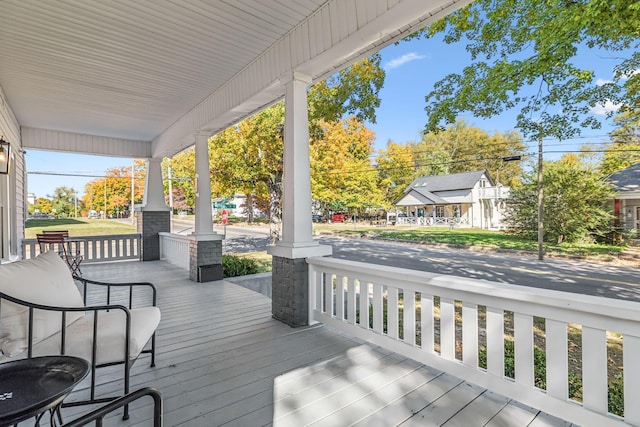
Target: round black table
[[30, 387]]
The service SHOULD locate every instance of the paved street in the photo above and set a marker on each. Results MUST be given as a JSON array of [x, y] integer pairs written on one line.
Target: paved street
[[566, 275]]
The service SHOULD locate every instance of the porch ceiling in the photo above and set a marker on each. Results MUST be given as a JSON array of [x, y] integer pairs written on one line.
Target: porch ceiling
[[160, 70]]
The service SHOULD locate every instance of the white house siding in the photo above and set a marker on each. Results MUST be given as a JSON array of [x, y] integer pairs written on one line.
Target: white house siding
[[409, 200], [12, 187]]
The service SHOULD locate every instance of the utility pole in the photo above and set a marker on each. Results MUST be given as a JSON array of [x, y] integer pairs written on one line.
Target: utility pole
[[540, 199], [105, 198]]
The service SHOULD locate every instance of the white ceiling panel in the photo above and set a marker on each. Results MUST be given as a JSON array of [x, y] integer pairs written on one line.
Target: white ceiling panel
[[159, 70]]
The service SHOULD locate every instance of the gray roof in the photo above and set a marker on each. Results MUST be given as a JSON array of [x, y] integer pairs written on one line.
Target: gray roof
[[454, 181], [427, 198], [627, 179], [424, 187]]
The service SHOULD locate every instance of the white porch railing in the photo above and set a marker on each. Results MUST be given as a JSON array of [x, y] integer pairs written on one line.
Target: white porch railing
[[430, 220], [444, 321], [496, 193], [174, 248], [112, 247]]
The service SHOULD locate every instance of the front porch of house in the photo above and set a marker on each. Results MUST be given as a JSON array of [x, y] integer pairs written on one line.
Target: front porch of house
[[223, 360]]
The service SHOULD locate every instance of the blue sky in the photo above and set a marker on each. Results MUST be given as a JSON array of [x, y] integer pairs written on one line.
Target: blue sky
[[412, 68]]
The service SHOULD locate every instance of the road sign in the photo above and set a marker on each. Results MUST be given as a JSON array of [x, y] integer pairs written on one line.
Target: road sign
[[224, 217]]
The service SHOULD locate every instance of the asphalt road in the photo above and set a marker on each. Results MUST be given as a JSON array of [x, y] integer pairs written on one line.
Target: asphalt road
[[590, 278], [564, 275]]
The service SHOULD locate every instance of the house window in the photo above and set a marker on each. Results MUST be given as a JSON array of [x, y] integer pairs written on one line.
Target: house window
[[483, 183], [439, 211], [457, 210]]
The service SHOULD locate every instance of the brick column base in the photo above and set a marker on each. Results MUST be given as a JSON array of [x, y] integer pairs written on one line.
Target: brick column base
[[205, 260], [290, 291], [149, 224]]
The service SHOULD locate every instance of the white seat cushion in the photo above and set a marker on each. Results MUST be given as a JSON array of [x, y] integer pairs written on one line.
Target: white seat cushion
[[44, 280], [111, 335]]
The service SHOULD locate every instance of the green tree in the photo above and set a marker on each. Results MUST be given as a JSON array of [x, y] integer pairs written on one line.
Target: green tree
[[62, 201], [575, 203], [354, 91], [523, 57], [624, 148], [396, 170], [463, 148]]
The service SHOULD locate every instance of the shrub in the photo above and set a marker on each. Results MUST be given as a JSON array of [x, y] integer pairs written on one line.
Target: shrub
[[234, 266]]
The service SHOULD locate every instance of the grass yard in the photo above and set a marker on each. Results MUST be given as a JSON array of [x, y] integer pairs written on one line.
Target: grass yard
[[470, 237], [78, 226]]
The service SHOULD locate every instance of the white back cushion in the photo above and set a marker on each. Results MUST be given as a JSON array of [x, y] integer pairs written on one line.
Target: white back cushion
[[44, 280]]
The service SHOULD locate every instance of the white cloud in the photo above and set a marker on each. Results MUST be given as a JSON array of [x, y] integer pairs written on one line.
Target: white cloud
[[608, 107], [629, 74], [602, 82], [401, 60]]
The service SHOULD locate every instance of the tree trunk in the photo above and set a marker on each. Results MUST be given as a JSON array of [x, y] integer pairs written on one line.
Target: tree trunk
[[275, 207], [248, 206]]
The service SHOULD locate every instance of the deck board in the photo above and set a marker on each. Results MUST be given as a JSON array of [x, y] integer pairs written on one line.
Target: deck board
[[223, 361]]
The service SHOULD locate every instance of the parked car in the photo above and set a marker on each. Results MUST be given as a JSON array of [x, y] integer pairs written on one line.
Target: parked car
[[316, 218], [339, 217]]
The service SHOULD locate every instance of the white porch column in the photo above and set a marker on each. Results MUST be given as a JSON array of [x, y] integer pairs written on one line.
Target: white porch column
[[297, 227], [154, 216], [153, 188], [289, 275], [205, 246], [203, 220]]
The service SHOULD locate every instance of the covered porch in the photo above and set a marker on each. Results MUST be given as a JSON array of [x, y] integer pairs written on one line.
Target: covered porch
[[223, 360], [149, 80]]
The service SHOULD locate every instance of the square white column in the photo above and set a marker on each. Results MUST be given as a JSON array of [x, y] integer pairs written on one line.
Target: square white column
[[153, 188], [297, 227]]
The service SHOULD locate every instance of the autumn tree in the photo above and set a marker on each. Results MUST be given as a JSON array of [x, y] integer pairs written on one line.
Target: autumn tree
[[575, 203], [342, 174], [523, 57], [463, 148], [257, 141], [41, 204], [396, 170], [112, 193], [183, 172], [248, 158]]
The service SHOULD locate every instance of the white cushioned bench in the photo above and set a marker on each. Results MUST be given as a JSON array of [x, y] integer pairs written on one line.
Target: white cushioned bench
[[39, 295]]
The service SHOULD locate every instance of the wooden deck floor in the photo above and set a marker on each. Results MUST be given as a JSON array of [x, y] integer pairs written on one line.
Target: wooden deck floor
[[222, 360]]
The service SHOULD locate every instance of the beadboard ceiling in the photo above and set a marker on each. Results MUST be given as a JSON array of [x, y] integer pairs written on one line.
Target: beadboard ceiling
[[133, 69]]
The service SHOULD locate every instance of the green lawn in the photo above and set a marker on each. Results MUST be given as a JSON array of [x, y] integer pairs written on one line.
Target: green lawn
[[78, 227], [474, 237]]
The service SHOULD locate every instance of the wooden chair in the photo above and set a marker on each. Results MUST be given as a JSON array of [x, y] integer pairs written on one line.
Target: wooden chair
[[59, 240]]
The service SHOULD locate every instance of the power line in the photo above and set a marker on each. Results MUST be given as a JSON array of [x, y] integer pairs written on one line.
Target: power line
[[80, 175]]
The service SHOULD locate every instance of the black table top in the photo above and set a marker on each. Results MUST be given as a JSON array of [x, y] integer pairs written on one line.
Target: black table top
[[29, 387]]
